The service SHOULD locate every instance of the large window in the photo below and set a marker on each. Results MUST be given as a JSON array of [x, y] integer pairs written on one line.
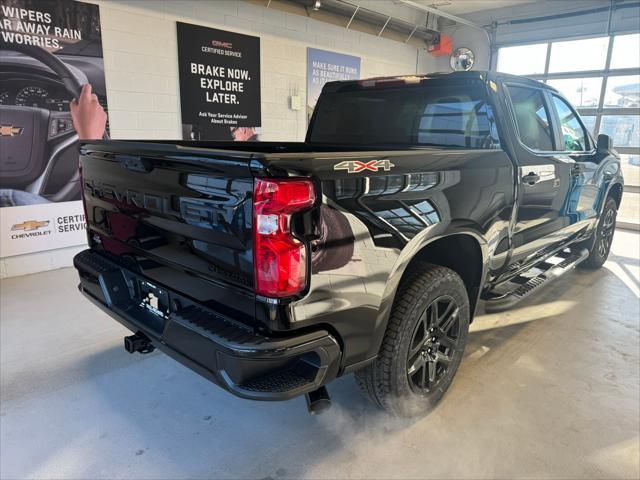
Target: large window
[[601, 77], [622, 91], [523, 60], [563, 57], [581, 92]]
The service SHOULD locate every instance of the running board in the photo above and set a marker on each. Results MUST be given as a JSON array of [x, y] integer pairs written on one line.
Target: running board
[[498, 302]]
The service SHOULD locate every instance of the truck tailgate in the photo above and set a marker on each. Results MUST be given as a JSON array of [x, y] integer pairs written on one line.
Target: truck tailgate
[[179, 216]]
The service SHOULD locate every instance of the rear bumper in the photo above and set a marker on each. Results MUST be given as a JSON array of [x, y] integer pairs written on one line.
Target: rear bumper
[[222, 350]]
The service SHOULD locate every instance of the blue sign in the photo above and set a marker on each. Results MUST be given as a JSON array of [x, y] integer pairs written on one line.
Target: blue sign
[[323, 67]]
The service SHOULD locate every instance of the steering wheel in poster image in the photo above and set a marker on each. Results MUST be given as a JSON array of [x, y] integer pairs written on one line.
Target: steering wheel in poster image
[[32, 139]]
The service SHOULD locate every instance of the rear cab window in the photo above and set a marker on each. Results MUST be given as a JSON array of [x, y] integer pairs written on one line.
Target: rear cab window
[[433, 113]]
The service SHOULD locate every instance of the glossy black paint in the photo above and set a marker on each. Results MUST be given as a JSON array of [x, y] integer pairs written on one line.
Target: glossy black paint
[[180, 214], [221, 349], [377, 222], [185, 222]]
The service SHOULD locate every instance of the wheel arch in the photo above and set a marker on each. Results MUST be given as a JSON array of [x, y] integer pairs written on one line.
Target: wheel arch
[[615, 192], [430, 249], [446, 252]]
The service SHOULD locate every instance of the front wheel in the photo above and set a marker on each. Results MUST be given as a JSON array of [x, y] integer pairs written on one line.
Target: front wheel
[[423, 345], [600, 244]]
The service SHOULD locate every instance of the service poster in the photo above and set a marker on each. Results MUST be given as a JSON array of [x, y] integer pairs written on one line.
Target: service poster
[[324, 66], [219, 84], [48, 48]]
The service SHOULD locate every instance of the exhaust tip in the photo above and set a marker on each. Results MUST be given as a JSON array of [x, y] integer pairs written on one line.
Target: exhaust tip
[[318, 401]]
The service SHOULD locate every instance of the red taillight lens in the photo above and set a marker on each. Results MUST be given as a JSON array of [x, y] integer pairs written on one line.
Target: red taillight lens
[[280, 259]]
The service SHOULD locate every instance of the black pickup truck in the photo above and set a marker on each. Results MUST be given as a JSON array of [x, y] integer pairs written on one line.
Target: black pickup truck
[[273, 268]]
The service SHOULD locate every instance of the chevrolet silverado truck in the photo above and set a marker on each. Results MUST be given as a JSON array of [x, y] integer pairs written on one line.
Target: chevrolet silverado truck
[[273, 268]]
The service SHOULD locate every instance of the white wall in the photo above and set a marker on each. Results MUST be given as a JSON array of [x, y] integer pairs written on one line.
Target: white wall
[[141, 68], [141, 61]]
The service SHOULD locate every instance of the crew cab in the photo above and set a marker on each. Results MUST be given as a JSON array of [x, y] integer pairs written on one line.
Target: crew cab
[[273, 268]]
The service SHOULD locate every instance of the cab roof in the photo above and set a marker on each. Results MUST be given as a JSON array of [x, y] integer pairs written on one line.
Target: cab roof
[[414, 79]]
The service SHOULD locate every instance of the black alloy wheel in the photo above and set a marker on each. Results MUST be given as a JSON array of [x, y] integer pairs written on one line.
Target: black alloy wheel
[[423, 345], [433, 344], [599, 245], [606, 232]]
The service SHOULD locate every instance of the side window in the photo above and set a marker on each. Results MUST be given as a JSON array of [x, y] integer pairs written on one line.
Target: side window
[[574, 138], [532, 117]]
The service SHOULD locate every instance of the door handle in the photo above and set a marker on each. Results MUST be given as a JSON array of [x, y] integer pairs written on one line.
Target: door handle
[[531, 178], [578, 168]]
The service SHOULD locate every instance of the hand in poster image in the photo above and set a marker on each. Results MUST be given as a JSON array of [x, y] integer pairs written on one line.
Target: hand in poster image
[[244, 134], [220, 133], [89, 118]]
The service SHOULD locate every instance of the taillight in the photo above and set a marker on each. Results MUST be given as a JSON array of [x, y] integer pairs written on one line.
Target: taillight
[[280, 259]]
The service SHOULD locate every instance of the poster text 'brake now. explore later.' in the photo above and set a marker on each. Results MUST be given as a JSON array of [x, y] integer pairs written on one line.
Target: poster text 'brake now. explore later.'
[[219, 83]]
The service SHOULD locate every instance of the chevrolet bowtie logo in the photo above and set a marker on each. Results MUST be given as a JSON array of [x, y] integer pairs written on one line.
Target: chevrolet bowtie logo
[[10, 131], [30, 225]]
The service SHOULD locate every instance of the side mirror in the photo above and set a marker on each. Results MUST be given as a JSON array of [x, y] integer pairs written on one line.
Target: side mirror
[[604, 144]]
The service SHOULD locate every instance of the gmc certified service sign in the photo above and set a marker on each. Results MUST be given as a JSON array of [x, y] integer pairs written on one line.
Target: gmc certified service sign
[[219, 81]]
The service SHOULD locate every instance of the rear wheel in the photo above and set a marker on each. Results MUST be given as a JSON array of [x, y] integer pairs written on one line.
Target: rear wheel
[[423, 345], [600, 245]]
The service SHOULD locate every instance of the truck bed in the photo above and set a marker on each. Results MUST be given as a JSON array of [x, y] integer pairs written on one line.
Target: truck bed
[[261, 147]]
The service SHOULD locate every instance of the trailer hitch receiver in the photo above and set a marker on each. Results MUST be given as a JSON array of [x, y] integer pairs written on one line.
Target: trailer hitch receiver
[[138, 343]]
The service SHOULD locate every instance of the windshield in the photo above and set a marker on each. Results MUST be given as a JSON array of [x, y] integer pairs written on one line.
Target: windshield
[[437, 112]]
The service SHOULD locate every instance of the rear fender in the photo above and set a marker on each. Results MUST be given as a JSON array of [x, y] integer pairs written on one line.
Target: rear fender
[[612, 186], [413, 247]]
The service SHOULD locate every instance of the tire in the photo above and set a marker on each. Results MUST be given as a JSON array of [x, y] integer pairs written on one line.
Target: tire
[[395, 380], [600, 244]]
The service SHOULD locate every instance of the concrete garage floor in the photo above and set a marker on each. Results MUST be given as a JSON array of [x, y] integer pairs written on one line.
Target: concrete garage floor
[[547, 390]]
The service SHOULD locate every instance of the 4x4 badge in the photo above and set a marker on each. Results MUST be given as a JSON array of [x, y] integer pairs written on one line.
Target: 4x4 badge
[[355, 166]]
